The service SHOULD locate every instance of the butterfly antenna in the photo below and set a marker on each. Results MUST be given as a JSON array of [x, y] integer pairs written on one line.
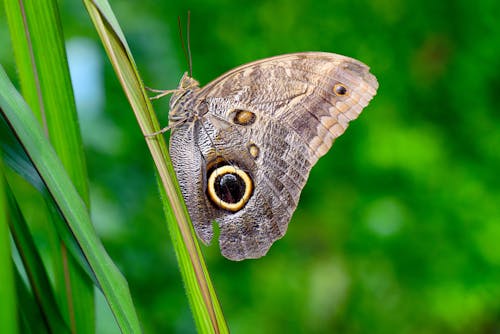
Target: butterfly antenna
[[190, 60], [183, 44]]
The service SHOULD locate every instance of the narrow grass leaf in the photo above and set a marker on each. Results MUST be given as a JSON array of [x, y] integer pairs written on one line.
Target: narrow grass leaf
[[30, 318], [201, 294], [8, 314], [39, 50], [33, 266], [69, 203]]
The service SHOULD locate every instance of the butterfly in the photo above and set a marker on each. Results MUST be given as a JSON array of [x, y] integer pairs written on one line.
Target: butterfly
[[243, 145]]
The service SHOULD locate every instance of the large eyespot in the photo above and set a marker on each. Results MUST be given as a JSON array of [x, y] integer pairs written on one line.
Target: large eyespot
[[229, 187]]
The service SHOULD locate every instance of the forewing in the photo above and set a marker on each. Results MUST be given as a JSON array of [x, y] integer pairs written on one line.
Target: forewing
[[301, 103]]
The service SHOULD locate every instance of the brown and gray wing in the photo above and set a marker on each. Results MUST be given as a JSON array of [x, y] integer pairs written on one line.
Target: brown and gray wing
[[302, 91], [302, 102]]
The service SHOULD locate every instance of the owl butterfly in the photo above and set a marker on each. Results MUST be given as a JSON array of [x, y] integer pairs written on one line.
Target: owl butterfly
[[243, 145]]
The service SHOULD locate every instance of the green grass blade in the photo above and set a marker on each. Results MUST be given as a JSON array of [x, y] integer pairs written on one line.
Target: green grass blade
[[109, 279], [24, 59], [16, 158], [8, 314], [201, 294], [33, 266], [28, 310], [44, 75], [48, 70], [204, 322]]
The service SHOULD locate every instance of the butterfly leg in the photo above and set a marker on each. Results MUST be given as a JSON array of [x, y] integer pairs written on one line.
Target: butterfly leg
[[165, 129], [161, 92]]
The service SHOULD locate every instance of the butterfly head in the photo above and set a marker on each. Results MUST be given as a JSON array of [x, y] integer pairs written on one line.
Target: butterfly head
[[182, 97], [187, 82]]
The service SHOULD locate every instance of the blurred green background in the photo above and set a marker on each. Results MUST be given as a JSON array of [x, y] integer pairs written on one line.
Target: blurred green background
[[398, 228]]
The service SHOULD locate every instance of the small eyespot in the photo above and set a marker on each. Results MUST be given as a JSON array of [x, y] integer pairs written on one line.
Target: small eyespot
[[340, 89], [229, 187], [243, 117], [254, 150]]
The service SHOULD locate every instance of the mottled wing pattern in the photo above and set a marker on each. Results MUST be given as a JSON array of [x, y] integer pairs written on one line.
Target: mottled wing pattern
[[302, 102], [298, 89]]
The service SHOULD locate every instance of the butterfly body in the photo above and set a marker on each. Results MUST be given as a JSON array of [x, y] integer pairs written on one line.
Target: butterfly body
[[244, 144]]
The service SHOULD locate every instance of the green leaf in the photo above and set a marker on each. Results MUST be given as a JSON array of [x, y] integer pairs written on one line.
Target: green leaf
[[69, 204], [39, 51], [33, 266], [8, 318], [200, 291], [31, 319]]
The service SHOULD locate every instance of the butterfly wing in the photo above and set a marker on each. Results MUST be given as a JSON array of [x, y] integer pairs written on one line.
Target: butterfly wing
[[273, 119]]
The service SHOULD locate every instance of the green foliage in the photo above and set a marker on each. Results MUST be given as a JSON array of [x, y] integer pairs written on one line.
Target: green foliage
[[397, 229], [8, 317], [46, 85]]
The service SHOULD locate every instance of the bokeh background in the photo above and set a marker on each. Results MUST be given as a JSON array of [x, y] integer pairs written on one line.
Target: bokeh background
[[398, 228]]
